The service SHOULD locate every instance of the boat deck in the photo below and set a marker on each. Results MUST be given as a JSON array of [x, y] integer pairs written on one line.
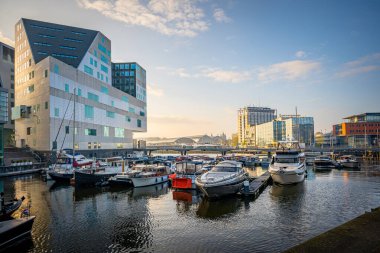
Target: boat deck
[[257, 186]]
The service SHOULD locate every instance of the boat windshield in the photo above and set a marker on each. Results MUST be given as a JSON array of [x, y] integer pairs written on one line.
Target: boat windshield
[[224, 169], [286, 160]]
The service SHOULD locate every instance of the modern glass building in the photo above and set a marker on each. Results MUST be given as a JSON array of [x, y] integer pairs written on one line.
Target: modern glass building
[[248, 118], [130, 77], [56, 65], [3, 119], [7, 76], [270, 133]]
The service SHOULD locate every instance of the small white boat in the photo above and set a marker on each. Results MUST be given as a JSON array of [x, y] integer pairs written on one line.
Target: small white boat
[[225, 178], [288, 164], [348, 161], [145, 175], [325, 162]]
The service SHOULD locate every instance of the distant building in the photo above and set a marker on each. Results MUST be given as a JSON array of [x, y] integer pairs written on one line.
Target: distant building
[[234, 140], [359, 130], [55, 64], [324, 139], [292, 127], [7, 77], [248, 118]]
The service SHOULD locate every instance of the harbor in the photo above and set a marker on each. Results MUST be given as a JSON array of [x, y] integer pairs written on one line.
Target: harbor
[[159, 218]]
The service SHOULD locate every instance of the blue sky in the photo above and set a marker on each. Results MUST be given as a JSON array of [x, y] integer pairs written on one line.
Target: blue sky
[[205, 59]]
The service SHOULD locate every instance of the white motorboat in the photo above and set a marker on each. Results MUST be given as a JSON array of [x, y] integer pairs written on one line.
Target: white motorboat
[[348, 161], [225, 178], [288, 164], [324, 161], [143, 175]]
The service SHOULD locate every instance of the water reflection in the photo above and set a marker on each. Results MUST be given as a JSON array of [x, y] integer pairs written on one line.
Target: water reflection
[[214, 209], [150, 191]]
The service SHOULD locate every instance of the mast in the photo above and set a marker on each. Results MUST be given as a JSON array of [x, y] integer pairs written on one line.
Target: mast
[[74, 128]]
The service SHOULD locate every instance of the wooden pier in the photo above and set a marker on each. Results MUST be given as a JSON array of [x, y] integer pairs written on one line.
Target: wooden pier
[[256, 186]]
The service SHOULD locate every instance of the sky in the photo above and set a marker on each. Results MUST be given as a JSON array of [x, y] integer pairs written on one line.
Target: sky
[[205, 59]]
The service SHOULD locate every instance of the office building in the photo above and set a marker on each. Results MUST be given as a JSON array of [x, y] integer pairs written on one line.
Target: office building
[[358, 130], [270, 133], [57, 67], [130, 77], [7, 82], [248, 118]]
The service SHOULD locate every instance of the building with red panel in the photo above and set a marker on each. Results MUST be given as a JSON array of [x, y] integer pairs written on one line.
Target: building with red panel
[[359, 130]]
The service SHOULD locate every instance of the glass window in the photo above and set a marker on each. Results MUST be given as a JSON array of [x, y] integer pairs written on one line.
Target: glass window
[[91, 61], [104, 89], [95, 63], [67, 88], [119, 132], [90, 132], [103, 59], [110, 114], [106, 131], [133, 66], [127, 118], [89, 112], [102, 48], [56, 112], [79, 92], [104, 68], [95, 53], [88, 70], [139, 123], [46, 104], [93, 96], [124, 98], [56, 69], [46, 73]]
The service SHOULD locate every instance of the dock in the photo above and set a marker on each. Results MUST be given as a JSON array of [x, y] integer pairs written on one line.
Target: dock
[[256, 186]]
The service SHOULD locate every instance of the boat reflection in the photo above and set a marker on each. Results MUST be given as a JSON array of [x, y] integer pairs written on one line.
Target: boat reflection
[[150, 191], [89, 193], [288, 191], [214, 209], [56, 186], [191, 197]]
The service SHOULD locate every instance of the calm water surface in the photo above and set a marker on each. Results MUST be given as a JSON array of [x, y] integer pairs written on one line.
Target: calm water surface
[[158, 219]]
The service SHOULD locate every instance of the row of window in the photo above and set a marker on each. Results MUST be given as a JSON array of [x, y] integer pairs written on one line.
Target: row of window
[[124, 73], [118, 66]]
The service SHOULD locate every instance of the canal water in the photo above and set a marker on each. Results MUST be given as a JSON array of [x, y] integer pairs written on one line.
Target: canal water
[[158, 219]]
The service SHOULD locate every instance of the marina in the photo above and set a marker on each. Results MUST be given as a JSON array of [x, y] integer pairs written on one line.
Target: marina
[[152, 218]]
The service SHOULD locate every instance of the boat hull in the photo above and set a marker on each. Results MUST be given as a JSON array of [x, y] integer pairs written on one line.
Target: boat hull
[[351, 165], [61, 177], [221, 190], [146, 181], [184, 183], [324, 164], [287, 178], [120, 182], [12, 230], [86, 178], [10, 208]]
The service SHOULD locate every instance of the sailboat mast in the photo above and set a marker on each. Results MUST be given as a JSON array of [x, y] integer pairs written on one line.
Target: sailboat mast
[[74, 127]]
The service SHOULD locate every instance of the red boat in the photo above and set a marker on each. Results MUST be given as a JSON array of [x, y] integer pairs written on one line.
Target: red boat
[[185, 175]]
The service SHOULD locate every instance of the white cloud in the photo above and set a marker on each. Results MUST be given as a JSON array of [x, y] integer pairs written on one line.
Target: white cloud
[[180, 72], [169, 17], [228, 76], [289, 70], [153, 90], [6, 40], [361, 65], [300, 54], [220, 16]]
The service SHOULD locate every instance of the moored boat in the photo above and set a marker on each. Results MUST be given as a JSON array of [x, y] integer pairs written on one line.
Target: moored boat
[[12, 230], [149, 175], [348, 161], [9, 208], [324, 162], [186, 173], [288, 163], [223, 179]]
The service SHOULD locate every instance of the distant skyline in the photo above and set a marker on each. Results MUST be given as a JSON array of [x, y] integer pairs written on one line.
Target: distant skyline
[[206, 59]]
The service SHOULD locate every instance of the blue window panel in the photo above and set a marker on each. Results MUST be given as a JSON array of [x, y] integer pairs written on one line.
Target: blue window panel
[[124, 98], [103, 59], [65, 56], [101, 77], [67, 47], [42, 44], [88, 112], [47, 28], [56, 69], [95, 53], [107, 79], [133, 66], [112, 103], [91, 61], [92, 96], [72, 40], [98, 75], [102, 48], [109, 53], [88, 70], [102, 39], [139, 123], [47, 36], [121, 66], [95, 63], [67, 88], [104, 68], [131, 109], [78, 33], [110, 114], [79, 92], [126, 66], [127, 118], [104, 89], [90, 132], [56, 112], [142, 113], [131, 73]]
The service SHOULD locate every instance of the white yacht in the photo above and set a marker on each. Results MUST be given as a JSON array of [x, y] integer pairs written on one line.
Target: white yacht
[[225, 178], [348, 161], [288, 164]]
